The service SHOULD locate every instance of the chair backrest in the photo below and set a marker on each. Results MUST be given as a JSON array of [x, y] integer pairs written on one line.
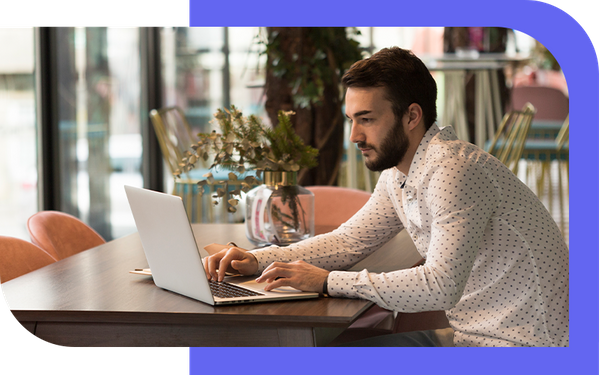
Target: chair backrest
[[550, 103], [334, 205], [18, 257], [174, 134], [563, 135], [61, 234], [509, 140]]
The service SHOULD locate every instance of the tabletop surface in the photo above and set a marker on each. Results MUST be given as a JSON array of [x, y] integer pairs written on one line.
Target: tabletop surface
[[483, 61], [96, 285]]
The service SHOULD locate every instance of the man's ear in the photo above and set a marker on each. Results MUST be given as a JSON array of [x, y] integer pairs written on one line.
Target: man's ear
[[415, 116]]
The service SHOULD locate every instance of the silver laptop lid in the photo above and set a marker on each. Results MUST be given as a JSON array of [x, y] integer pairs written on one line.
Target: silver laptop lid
[[167, 238], [173, 255]]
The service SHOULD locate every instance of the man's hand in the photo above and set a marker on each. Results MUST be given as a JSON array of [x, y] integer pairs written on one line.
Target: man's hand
[[298, 274], [233, 259]]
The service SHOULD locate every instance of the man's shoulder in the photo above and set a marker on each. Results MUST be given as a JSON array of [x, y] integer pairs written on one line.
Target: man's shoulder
[[446, 139], [446, 147]]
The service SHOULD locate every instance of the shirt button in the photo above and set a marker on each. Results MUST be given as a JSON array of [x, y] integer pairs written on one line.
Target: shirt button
[[415, 237]]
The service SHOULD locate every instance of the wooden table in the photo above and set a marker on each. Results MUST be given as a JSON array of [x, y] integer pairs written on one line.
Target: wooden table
[[91, 299]]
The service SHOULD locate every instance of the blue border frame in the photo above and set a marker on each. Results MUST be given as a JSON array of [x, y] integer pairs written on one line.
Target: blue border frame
[[571, 46]]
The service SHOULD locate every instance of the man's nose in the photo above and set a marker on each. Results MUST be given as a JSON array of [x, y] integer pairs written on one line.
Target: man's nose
[[356, 134]]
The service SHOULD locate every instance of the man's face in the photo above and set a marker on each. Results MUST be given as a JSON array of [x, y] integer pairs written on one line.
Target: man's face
[[375, 130]]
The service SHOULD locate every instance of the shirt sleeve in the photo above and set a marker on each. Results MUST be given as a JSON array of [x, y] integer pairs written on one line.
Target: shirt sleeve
[[371, 227], [460, 199]]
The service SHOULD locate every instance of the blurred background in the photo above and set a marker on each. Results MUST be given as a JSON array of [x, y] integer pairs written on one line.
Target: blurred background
[[74, 104]]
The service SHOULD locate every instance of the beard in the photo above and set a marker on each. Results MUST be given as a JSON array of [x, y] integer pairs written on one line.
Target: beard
[[391, 151]]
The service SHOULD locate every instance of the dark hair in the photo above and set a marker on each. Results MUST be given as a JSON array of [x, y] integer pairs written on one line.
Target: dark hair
[[404, 76]]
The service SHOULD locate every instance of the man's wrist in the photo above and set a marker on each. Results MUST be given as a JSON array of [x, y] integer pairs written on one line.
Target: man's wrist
[[325, 293], [255, 261]]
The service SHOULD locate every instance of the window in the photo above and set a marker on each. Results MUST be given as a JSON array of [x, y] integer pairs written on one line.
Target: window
[[18, 156], [100, 140], [207, 68]]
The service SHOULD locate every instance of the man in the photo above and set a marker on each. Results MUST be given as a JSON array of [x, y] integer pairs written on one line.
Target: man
[[495, 259]]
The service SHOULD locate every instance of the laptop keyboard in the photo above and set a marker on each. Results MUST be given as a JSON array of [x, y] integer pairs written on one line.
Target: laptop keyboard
[[227, 290]]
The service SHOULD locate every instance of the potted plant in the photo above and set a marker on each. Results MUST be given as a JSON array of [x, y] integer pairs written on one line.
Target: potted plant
[[277, 211]]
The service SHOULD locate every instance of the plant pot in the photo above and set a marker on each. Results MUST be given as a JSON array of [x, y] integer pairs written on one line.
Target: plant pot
[[279, 212]]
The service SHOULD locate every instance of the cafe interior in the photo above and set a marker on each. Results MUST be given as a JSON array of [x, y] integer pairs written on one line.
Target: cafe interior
[[86, 111]]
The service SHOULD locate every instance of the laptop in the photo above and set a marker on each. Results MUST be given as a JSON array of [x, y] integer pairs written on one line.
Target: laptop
[[175, 260]]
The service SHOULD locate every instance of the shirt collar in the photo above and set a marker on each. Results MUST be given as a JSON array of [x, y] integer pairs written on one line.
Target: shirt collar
[[419, 156]]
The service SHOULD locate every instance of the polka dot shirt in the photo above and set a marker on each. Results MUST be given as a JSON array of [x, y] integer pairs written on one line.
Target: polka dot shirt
[[495, 259]]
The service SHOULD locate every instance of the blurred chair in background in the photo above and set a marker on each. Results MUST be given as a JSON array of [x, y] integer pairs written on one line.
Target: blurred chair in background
[[201, 208], [509, 141], [176, 138], [545, 157], [550, 103], [61, 234], [334, 205], [18, 257], [173, 133], [547, 172], [540, 153]]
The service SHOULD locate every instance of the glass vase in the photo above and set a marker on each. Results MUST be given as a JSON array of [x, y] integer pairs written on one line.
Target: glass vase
[[279, 212]]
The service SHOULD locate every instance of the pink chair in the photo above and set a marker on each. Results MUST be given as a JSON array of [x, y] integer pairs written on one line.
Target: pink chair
[[550, 103], [61, 234], [334, 205], [18, 257]]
